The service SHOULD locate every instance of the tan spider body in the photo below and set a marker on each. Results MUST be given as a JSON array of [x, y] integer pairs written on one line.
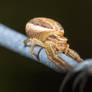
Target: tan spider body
[[49, 34]]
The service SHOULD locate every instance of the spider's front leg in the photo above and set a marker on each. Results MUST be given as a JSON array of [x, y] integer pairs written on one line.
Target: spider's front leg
[[74, 55], [63, 46], [52, 55]]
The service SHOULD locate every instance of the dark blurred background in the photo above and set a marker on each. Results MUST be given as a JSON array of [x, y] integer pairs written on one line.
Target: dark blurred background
[[20, 74]]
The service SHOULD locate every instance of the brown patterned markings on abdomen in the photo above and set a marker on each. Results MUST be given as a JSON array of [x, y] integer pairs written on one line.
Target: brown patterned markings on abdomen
[[46, 23]]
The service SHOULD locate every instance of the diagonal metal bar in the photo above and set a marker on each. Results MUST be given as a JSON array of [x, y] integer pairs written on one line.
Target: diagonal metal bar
[[14, 41]]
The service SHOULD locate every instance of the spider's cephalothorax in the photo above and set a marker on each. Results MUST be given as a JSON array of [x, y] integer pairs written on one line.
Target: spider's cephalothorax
[[49, 34]]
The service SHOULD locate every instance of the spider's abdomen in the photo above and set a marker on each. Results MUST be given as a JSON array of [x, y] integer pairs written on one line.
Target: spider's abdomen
[[41, 28]]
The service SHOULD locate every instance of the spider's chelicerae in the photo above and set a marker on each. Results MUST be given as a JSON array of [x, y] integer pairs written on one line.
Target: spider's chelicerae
[[49, 34]]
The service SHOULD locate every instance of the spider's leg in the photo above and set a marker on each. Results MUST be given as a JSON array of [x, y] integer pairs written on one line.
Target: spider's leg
[[74, 55], [26, 41], [49, 54], [32, 48], [52, 55], [60, 59], [37, 42]]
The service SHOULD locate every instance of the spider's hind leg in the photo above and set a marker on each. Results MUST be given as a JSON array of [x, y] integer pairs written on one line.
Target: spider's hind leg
[[26, 41], [32, 48], [37, 42]]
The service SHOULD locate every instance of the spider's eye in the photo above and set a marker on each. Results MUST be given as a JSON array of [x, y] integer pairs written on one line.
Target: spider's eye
[[61, 28], [53, 36]]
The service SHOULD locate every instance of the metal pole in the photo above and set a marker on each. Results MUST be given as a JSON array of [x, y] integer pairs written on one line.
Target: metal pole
[[14, 41]]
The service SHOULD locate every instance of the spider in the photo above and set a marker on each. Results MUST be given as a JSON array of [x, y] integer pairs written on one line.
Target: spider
[[49, 34]]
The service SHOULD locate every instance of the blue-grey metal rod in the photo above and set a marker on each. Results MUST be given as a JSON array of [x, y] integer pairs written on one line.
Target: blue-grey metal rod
[[14, 41]]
